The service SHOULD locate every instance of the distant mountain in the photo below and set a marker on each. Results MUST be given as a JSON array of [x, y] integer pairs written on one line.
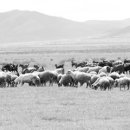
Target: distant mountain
[[121, 33], [26, 26]]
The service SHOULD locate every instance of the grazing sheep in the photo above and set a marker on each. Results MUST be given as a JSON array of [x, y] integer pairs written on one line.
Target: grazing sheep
[[96, 69], [118, 62], [41, 69], [80, 64], [93, 73], [13, 77], [122, 82], [10, 77], [59, 70], [48, 76], [102, 74], [127, 68], [82, 69], [24, 66], [29, 70], [80, 77], [114, 75], [94, 78], [111, 80], [3, 79], [27, 78], [59, 77], [105, 63], [59, 66], [101, 82], [66, 80], [17, 81], [118, 68], [105, 69], [10, 67], [122, 75]]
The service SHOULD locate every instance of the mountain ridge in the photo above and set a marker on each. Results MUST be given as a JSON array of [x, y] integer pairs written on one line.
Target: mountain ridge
[[26, 26]]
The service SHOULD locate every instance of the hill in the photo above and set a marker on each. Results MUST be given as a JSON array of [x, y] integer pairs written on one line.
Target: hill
[[27, 26]]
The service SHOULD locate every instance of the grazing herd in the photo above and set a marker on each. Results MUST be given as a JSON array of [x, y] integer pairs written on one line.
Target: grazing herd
[[103, 75]]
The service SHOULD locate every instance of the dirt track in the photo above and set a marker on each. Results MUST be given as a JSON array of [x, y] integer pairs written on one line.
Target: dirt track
[[64, 108]]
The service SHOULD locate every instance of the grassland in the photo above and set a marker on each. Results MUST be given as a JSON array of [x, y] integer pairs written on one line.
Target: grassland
[[64, 108], [48, 53]]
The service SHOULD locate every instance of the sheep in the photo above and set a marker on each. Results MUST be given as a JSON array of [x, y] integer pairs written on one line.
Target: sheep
[[96, 69], [82, 69], [122, 82], [55, 73], [102, 74], [118, 68], [29, 70], [48, 76], [3, 79], [101, 82], [111, 80], [13, 77], [59, 77], [105, 69], [59, 71], [114, 75], [94, 78], [10, 77], [17, 81], [41, 69], [118, 62], [59, 66], [122, 75], [66, 80], [80, 77], [27, 78], [93, 73]]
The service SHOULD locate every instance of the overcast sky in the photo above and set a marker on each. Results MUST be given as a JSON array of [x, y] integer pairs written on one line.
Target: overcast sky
[[79, 10]]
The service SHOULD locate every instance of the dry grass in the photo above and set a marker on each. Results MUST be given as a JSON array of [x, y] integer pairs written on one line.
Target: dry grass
[[49, 53], [53, 108]]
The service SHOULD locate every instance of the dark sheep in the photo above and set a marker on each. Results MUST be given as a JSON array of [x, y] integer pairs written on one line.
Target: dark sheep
[[66, 80]]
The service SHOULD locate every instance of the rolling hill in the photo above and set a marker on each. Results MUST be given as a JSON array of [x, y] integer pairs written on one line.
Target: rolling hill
[[27, 26]]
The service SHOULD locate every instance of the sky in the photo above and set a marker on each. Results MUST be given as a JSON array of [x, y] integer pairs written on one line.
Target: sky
[[77, 10]]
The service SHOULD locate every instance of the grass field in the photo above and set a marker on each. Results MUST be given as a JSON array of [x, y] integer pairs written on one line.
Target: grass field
[[64, 108], [48, 53]]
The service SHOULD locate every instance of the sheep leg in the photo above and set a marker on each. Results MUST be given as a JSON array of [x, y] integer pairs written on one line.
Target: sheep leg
[[76, 84], [22, 84], [120, 87], [128, 86], [86, 84], [124, 86]]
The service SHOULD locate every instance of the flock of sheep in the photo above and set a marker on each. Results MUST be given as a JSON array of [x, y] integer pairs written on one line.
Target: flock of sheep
[[98, 76]]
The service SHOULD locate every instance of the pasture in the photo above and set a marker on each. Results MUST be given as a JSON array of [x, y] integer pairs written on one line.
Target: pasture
[[63, 108], [48, 53], [66, 108]]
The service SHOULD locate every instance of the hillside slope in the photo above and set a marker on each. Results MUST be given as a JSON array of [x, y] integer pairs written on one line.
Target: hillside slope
[[24, 26]]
